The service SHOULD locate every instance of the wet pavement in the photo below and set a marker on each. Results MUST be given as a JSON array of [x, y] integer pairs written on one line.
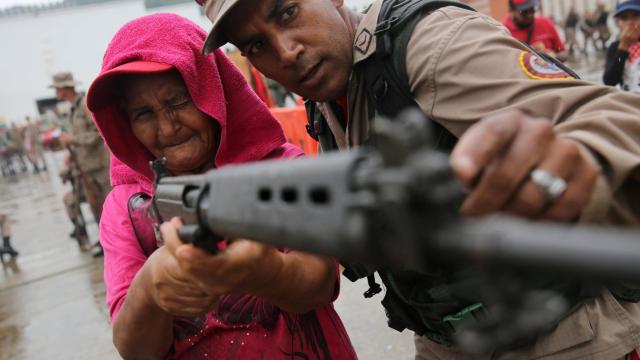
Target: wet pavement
[[590, 67], [52, 296]]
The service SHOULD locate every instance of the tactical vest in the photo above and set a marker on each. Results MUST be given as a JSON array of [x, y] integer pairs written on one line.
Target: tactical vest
[[433, 305]]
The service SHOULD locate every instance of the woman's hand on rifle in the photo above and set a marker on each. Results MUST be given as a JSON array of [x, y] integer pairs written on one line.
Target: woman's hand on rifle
[[293, 281]]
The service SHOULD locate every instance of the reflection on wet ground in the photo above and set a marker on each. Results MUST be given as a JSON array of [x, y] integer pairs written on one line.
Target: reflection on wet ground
[[51, 296], [589, 67]]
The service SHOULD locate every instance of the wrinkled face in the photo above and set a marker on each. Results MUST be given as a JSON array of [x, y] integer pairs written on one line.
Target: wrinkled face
[[306, 45], [523, 18], [166, 121]]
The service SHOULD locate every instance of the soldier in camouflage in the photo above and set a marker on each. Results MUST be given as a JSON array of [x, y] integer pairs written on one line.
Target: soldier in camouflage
[[91, 157]]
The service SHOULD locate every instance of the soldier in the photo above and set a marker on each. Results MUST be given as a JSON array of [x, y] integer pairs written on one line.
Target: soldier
[[87, 151], [6, 164], [5, 234], [72, 200], [525, 137], [16, 137], [33, 146]]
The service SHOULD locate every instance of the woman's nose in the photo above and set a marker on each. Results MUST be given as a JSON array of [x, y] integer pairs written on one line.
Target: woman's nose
[[168, 122]]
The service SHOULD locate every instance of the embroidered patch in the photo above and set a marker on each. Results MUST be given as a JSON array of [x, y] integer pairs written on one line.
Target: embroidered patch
[[539, 69], [363, 41]]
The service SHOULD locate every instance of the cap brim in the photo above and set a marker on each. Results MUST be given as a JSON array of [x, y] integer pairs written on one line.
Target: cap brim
[[213, 42], [101, 92], [527, 6], [627, 6], [64, 85], [215, 39]]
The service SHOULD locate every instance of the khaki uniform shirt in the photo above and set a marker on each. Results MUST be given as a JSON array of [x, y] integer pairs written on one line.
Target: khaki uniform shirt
[[17, 139], [463, 66], [91, 153], [32, 138]]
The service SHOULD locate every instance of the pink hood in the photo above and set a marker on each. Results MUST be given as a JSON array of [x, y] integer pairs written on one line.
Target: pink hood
[[248, 130]]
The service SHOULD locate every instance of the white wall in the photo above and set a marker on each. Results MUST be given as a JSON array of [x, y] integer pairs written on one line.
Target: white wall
[[34, 47]]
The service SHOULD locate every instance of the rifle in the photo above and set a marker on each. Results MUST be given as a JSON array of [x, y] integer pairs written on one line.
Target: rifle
[[393, 205]]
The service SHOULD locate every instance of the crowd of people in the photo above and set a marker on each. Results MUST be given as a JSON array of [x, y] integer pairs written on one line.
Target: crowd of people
[[541, 34], [86, 167], [525, 136], [593, 25], [18, 143], [570, 38]]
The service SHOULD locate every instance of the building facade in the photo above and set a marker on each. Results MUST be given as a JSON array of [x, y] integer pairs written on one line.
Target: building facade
[[71, 35]]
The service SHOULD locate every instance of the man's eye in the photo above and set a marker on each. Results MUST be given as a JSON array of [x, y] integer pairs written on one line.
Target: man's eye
[[256, 47], [288, 13]]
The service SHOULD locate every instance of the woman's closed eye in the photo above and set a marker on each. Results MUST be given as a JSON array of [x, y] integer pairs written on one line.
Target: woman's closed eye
[[141, 114], [179, 101]]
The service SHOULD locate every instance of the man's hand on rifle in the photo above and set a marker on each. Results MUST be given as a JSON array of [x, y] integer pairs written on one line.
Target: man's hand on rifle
[[244, 266], [66, 139], [515, 163]]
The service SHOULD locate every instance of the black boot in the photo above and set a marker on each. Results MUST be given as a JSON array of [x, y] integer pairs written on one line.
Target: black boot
[[78, 230], [97, 251], [7, 248]]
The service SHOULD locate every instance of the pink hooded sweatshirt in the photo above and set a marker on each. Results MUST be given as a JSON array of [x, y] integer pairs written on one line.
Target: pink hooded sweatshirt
[[243, 326]]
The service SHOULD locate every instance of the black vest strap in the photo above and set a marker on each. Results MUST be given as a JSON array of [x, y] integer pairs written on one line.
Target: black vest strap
[[385, 72]]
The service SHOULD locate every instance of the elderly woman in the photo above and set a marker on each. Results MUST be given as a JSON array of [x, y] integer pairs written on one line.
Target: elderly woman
[[158, 97]]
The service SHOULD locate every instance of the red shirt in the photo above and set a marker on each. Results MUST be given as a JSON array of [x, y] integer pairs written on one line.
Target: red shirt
[[544, 31]]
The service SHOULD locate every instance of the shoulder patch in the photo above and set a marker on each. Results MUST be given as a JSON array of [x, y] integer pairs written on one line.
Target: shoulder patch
[[538, 68], [363, 41]]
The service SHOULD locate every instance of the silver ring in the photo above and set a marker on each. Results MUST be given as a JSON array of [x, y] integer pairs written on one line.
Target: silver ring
[[552, 186]]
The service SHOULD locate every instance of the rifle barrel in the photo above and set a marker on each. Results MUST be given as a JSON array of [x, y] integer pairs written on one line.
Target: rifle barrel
[[596, 252]]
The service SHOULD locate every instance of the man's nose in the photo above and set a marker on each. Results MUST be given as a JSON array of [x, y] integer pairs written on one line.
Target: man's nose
[[288, 50]]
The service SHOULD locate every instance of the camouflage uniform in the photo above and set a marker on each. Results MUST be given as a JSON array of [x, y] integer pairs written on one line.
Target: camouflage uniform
[[91, 155], [32, 143], [16, 145]]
